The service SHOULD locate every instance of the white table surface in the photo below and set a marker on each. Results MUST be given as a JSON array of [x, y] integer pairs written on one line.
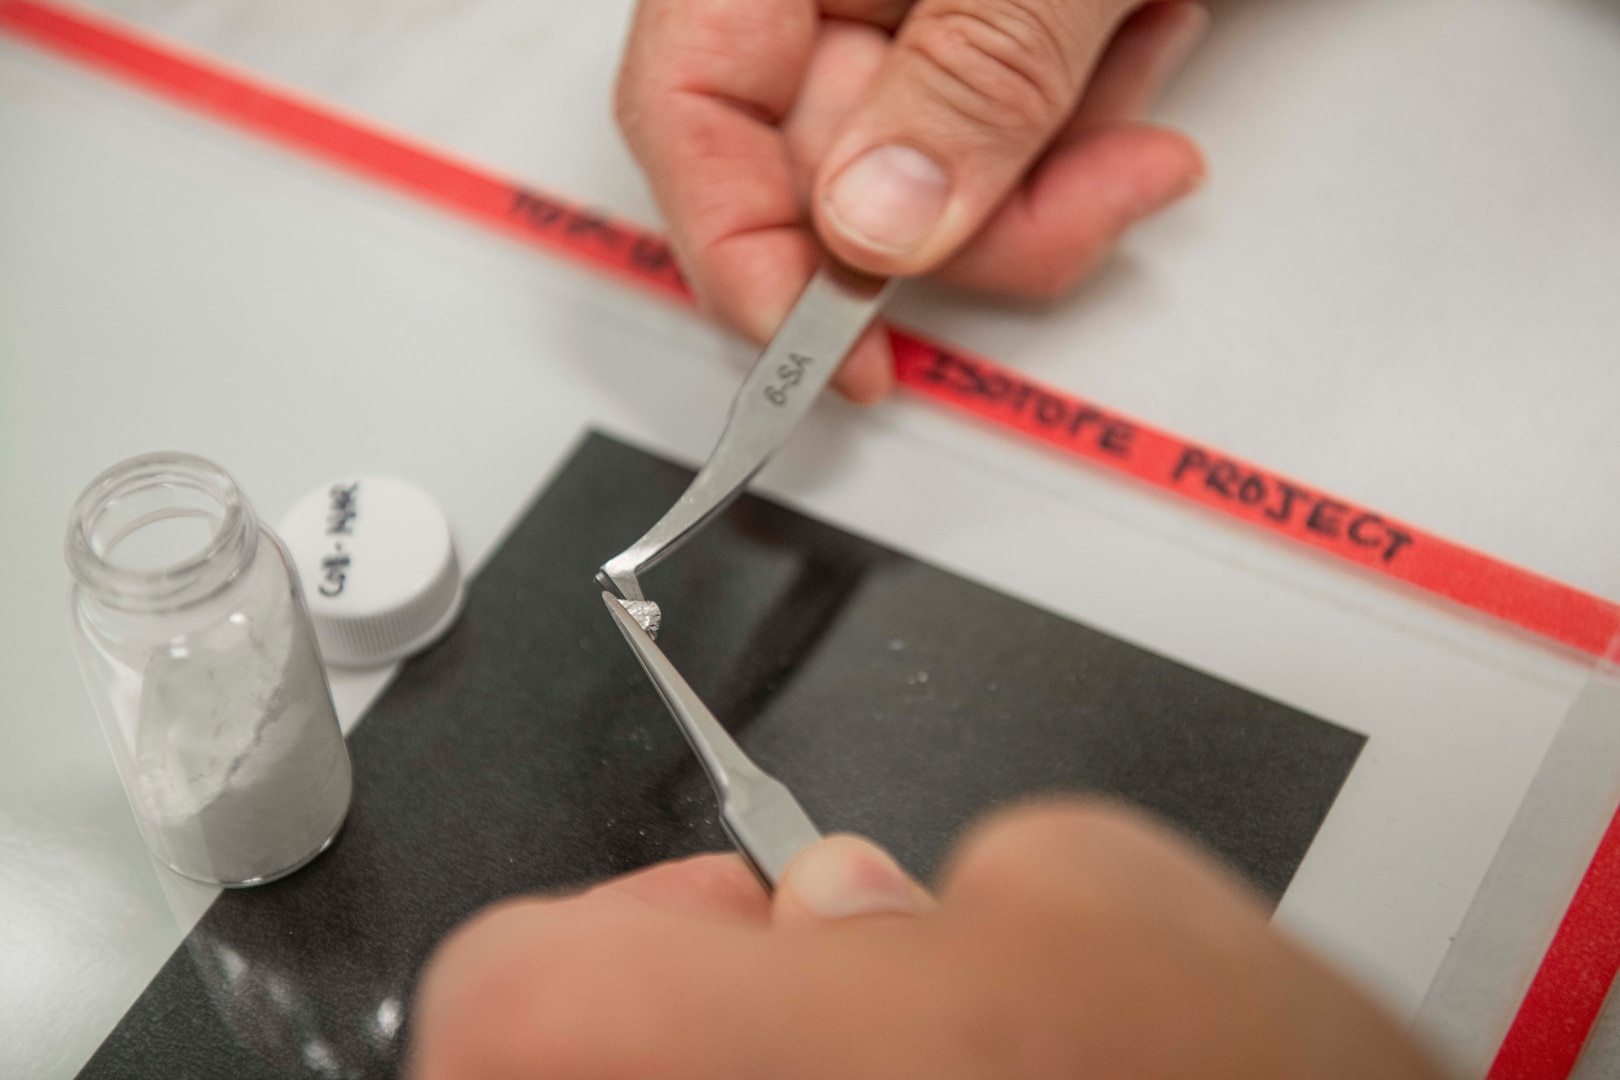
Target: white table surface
[[1397, 286]]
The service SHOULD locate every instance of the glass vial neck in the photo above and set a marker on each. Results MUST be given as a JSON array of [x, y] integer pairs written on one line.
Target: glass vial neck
[[159, 532]]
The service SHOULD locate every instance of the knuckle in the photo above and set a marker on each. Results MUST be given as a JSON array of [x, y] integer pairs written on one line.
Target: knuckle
[[626, 110], [1051, 278], [1060, 273], [1012, 845], [632, 74], [635, 98], [485, 1006], [1004, 64], [1024, 857], [469, 946]]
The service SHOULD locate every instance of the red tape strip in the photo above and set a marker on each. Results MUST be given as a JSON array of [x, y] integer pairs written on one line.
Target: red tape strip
[[1557, 1014], [1256, 496], [1571, 983]]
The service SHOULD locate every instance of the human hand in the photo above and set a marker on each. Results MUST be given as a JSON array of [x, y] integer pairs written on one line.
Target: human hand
[[1066, 941], [994, 143]]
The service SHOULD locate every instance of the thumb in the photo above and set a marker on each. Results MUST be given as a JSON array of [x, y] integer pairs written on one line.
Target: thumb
[[971, 93], [843, 876]]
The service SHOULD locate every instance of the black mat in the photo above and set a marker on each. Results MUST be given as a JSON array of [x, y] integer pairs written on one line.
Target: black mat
[[527, 752]]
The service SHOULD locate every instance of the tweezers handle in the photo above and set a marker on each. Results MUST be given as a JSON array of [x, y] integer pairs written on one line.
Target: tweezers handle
[[758, 811], [826, 321]]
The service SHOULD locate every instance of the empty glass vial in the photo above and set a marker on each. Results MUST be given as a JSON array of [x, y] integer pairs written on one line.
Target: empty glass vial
[[191, 632]]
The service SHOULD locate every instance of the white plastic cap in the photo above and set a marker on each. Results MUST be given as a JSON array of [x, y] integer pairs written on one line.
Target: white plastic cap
[[378, 567]]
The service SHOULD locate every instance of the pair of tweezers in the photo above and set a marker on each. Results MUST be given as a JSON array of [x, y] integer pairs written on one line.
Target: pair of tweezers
[[759, 813]]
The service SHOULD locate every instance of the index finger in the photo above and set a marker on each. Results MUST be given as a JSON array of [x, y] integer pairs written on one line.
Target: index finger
[[718, 885], [704, 86]]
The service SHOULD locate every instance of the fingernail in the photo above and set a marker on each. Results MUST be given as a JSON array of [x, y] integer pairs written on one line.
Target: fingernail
[[889, 198], [844, 876]]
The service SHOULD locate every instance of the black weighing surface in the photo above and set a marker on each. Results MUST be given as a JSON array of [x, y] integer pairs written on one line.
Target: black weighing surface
[[527, 752]]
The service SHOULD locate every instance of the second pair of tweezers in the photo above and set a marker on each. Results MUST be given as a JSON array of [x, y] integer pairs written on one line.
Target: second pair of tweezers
[[759, 813]]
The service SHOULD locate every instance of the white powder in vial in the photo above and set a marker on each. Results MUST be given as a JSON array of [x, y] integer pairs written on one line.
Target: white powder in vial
[[242, 770]]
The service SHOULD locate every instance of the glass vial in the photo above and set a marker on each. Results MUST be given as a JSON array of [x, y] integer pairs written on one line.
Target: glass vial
[[193, 639]]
